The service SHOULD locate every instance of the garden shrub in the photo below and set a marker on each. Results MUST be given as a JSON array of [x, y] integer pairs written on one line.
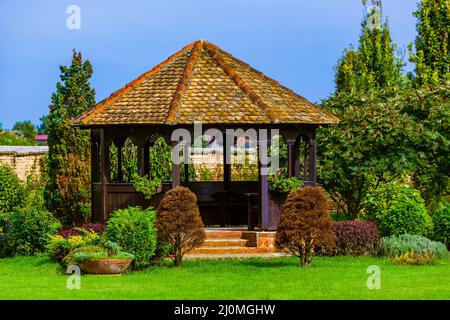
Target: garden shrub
[[97, 252], [304, 224], [412, 249], [179, 222], [5, 246], [59, 247], [76, 231], [10, 189], [285, 185], [441, 224], [29, 230], [133, 229], [356, 238], [398, 209], [108, 250]]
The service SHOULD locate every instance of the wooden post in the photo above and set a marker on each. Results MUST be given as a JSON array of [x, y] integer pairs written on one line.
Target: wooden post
[[141, 159], [312, 159], [263, 185], [146, 168], [119, 161], [99, 197], [176, 179], [291, 157], [226, 161]]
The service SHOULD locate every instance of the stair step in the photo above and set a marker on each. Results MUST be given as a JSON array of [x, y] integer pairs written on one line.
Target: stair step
[[219, 234], [225, 242], [228, 250]]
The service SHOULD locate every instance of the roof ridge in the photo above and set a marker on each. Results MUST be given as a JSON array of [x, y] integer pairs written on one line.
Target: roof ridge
[[184, 82], [87, 115], [275, 82], [213, 50]]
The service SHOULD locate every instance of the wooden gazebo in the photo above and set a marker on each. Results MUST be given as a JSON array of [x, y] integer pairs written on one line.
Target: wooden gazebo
[[201, 83]]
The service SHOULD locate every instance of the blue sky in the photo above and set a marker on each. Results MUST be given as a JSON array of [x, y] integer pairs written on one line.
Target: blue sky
[[296, 42]]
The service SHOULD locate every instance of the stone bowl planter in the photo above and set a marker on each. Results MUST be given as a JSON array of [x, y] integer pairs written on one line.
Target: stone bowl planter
[[105, 266]]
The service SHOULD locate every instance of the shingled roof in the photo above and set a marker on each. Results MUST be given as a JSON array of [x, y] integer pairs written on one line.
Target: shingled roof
[[204, 83]]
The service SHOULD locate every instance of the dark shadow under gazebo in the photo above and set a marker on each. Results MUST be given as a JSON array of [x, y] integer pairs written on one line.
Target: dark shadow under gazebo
[[202, 84]]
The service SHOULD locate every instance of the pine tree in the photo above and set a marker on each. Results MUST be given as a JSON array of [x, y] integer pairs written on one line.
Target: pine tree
[[373, 64], [68, 187], [432, 56]]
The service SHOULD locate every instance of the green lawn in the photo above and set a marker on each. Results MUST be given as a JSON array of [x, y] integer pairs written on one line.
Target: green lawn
[[274, 278]]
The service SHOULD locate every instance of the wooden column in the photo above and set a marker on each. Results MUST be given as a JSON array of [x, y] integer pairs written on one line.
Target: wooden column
[[226, 160], [141, 159], [176, 178], [99, 189], [291, 157], [146, 156], [119, 161], [312, 159], [263, 185]]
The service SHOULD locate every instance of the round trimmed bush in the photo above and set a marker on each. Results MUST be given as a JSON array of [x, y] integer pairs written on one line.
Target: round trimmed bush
[[134, 231], [398, 209], [441, 224], [179, 223], [305, 224], [356, 238], [10, 189]]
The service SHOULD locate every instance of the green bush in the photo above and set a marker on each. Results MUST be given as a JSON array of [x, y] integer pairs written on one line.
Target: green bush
[[441, 224], [285, 185], [413, 249], [133, 229], [398, 209], [83, 253], [5, 245], [29, 230], [10, 189], [59, 247]]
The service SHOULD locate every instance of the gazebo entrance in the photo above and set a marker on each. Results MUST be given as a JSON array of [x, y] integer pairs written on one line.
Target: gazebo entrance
[[202, 84]]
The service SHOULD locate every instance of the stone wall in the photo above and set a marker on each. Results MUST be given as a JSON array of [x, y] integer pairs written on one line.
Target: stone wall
[[23, 160]]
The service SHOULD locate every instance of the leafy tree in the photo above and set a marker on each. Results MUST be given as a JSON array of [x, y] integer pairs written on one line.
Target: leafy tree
[[26, 128], [11, 139], [68, 187], [430, 112], [432, 56], [371, 144], [373, 64], [42, 127]]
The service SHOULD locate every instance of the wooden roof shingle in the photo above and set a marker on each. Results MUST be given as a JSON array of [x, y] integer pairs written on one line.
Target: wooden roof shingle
[[204, 83]]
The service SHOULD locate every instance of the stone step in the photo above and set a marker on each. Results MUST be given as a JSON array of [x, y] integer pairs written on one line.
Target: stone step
[[223, 234], [225, 242], [227, 250]]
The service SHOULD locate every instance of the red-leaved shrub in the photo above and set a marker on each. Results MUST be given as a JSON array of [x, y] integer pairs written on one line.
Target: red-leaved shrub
[[356, 238], [75, 231]]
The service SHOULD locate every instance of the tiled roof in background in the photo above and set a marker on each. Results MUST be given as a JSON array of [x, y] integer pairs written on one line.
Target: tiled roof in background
[[204, 83]]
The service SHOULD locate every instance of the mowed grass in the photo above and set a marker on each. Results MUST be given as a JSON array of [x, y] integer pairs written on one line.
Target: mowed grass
[[256, 278]]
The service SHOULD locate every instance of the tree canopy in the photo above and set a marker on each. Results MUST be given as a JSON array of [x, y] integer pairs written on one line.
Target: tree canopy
[[373, 64], [68, 187], [432, 55]]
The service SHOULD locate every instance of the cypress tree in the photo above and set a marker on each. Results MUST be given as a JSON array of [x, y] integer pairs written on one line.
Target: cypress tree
[[373, 64], [68, 187], [432, 56]]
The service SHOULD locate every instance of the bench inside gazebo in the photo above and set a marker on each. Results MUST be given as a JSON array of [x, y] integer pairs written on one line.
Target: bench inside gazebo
[[202, 84]]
